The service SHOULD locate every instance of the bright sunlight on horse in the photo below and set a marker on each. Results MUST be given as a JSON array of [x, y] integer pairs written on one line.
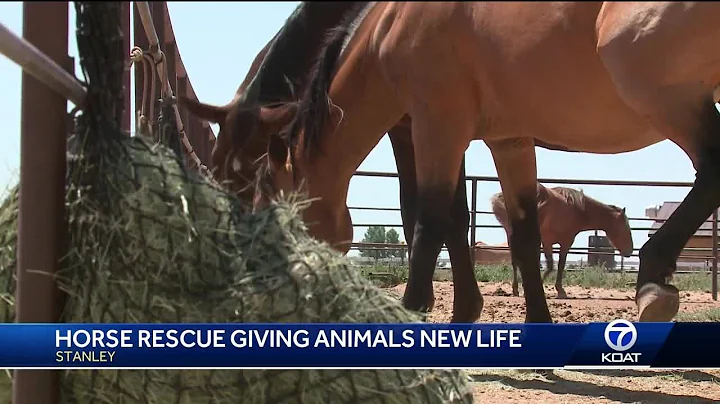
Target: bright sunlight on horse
[[275, 77], [584, 76]]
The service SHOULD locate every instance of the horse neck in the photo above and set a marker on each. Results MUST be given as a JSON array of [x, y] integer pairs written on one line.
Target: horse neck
[[596, 216], [369, 108], [292, 51]]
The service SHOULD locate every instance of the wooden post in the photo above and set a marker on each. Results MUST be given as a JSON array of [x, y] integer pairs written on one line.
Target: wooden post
[[42, 194], [125, 116]]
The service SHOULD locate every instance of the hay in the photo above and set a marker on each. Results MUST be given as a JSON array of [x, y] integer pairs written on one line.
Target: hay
[[151, 241], [8, 247]]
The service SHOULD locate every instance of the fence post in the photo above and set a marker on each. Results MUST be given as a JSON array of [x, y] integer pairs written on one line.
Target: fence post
[[715, 254], [473, 217], [42, 190]]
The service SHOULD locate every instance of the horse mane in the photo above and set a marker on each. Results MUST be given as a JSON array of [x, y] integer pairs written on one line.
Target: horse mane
[[263, 87], [314, 105], [573, 197], [287, 62], [579, 199]]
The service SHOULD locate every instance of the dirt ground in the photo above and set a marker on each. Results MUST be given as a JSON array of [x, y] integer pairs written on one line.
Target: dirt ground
[[583, 305], [587, 386]]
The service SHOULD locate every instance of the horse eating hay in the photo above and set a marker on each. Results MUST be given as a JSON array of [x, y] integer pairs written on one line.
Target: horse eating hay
[[581, 76], [562, 214], [277, 72], [150, 241]]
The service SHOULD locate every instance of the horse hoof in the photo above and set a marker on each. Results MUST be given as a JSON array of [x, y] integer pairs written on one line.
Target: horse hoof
[[539, 318], [470, 316], [657, 303], [562, 295], [516, 293], [431, 304]]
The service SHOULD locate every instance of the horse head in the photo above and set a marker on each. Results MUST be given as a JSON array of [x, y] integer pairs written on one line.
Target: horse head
[[243, 139], [619, 231]]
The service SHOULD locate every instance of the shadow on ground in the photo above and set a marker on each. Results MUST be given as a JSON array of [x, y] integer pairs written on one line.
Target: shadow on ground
[[558, 385], [689, 375]]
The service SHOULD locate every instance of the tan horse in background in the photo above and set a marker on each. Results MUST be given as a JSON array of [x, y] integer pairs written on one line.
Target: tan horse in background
[[562, 214], [591, 77]]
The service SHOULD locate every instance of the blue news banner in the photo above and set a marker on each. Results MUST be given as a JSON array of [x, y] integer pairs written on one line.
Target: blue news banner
[[615, 344]]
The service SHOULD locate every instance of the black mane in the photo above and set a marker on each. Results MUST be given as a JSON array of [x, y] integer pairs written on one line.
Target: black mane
[[313, 107], [290, 57]]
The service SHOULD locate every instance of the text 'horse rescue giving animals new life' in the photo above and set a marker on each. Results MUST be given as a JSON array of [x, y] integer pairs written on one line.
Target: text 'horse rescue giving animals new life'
[[274, 78], [562, 214], [576, 76]]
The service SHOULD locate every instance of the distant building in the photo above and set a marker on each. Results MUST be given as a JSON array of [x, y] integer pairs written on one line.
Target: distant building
[[488, 256], [701, 239]]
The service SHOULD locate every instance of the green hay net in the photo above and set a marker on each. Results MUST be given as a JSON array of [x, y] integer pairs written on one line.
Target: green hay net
[[150, 240]]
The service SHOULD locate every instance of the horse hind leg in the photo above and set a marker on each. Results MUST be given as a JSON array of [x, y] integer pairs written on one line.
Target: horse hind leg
[[437, 164], [562, 259], [656, 299], [401, 142], [676, 97], [548, 251], [515, 286], [513, 265], [688, 116], [516, 168]]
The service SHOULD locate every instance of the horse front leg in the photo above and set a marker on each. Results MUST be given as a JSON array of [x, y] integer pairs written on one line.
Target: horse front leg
[[468, 301], [513, 264], [401, 141], [516, 168], [564, 250], [515, 286], [548, 251]]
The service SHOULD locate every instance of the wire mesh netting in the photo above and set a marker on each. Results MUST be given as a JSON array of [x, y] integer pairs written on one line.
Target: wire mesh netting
[[152, 241]]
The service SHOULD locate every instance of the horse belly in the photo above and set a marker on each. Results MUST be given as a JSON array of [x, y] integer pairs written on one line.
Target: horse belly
[[543, 78]]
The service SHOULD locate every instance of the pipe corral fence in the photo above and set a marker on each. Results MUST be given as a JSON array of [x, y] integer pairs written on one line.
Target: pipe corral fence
[[47, 84], [710, 253]]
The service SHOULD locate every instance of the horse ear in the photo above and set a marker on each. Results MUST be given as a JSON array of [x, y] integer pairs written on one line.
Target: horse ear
[[623, 211], [211, 113]]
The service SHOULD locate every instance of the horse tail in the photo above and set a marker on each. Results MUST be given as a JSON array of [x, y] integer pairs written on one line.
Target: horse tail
[[314, 106]]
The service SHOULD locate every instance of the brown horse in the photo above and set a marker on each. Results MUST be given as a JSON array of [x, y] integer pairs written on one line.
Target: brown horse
[[591, 77], [246, 122], [563, 213]]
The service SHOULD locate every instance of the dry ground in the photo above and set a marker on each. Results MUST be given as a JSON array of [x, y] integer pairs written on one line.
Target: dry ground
[[583, 305], [564, 386]]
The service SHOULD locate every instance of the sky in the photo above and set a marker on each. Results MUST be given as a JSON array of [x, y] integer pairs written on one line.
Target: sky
[[219, 40]]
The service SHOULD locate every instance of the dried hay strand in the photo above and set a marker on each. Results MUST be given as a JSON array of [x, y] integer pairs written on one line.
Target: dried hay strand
[[151, 241]]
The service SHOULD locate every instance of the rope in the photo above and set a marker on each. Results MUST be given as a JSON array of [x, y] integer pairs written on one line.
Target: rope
[[148, 59]]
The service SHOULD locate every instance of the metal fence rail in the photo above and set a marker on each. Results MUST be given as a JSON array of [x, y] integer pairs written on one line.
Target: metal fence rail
[[473, 208]]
